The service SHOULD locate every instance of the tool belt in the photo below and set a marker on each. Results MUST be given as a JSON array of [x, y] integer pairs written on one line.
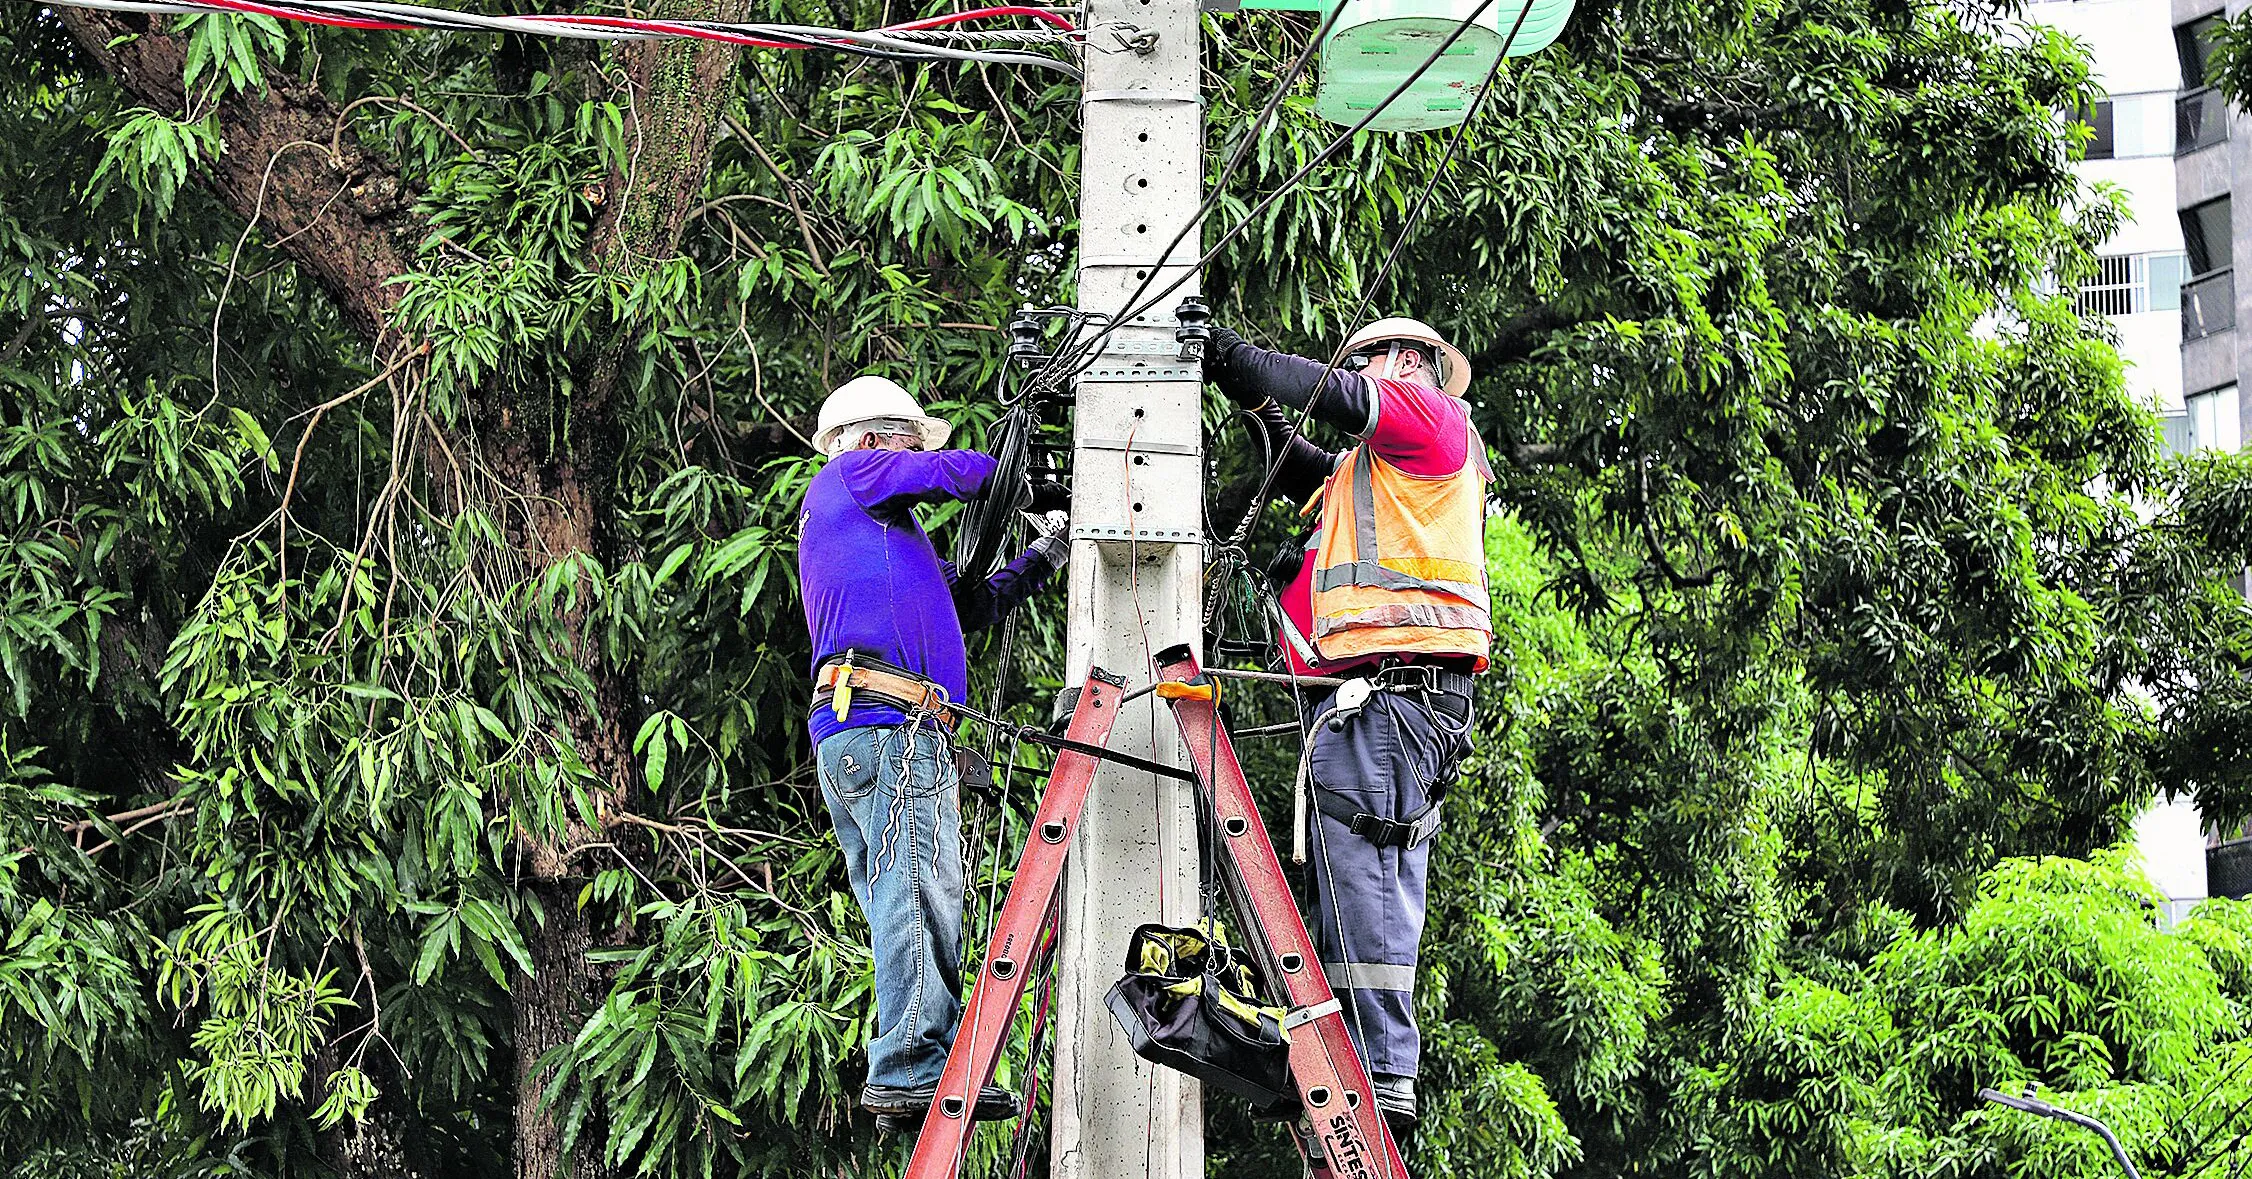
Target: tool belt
[[1190, 1002], [1423, 679], [855, 677]]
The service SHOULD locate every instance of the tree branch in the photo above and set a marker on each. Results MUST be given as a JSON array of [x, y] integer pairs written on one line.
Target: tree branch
[[351, 249]]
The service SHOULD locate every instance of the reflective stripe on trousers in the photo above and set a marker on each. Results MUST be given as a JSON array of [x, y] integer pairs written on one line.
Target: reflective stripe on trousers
[[1368, 901]]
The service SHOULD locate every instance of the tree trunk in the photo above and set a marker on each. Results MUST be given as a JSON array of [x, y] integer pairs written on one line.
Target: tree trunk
[[676, 94], [376, 1146], [550, 1005]]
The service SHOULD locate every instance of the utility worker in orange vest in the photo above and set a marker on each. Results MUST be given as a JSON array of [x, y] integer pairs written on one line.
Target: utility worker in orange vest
[[1388, 592]]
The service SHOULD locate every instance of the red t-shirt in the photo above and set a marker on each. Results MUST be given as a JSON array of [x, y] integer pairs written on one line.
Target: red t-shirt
[[1420, 430]]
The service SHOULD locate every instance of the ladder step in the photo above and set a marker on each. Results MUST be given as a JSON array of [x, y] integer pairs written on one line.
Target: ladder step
[[1351, 1139], [1007, 970]]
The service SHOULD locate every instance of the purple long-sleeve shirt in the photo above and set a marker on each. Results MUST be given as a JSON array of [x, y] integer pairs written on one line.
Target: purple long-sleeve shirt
[[873, 582]]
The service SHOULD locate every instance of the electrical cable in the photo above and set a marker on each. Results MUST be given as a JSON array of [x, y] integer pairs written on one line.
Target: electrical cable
[[1235, 158], [880, 43], [1233, 547], [1321, 157]]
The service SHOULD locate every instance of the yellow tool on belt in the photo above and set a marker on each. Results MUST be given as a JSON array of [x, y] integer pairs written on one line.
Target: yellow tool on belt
[[841, 702], [835, 685]]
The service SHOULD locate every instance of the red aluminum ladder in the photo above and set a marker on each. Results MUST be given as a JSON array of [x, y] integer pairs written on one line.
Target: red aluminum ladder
[[1343, 1136], [1007, 971], [1349, 1137]]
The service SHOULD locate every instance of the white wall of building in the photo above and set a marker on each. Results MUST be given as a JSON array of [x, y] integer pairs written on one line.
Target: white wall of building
[[2131, 43], [2171, 838]]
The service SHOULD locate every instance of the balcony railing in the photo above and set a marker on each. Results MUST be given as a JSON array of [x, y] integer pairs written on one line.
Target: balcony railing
[[2201, 119], [2208, 304]]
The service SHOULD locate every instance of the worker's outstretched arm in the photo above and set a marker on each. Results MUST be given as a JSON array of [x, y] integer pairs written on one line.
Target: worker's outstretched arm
[[882, 480], [981, 604], [1303, 466], [1249, 375]]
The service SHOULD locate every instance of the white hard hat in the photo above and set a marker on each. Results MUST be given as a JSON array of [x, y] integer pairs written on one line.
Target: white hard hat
[[871, 398], [1454, 367]]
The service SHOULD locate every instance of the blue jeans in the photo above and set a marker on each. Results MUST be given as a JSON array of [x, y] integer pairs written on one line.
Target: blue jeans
[[894, 796]]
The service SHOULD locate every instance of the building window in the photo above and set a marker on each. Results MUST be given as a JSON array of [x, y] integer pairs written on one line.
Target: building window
[[2206, 235], [2130, 284], [2174, 433], [2201, 115], [2213, 420], [2201, 119], [2194, 42], [2208, 304], [2102, 145], [2128, 126], [2163, 275]]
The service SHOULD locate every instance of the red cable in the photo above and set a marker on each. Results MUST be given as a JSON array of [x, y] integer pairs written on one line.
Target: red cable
[[1039, 14], [305, 16], [316, 17]]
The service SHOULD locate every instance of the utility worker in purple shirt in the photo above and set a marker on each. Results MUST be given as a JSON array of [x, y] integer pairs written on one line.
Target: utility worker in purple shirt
[[887, 617]]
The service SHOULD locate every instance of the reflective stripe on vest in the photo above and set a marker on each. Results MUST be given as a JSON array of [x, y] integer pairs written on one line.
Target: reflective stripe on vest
[[1414, 581]]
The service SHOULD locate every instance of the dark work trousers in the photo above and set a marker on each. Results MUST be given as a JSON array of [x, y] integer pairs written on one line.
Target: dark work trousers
[[1368, 900]]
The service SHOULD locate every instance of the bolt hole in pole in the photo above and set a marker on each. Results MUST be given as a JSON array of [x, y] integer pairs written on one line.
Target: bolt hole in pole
[[1317, 1096], [1141, 229], [1137, 505], [1236, 825], [952, 1105], [1292, 963], [1143, 137], [1052, 831], [1141, 460], [1004, 968], [1144, 181]]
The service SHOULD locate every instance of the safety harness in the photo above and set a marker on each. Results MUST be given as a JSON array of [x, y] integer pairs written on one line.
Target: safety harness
[[1407, 679]]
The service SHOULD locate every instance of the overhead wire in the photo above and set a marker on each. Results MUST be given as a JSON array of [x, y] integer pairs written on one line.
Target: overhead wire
[[907, 41], [1233, 548], [1335, 145], [1235, 159]]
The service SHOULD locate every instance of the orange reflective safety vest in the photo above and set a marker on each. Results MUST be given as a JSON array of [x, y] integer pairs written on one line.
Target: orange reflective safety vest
[[1400, 568]]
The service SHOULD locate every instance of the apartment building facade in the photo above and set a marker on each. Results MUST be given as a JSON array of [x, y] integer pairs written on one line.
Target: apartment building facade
[[2167, 280]]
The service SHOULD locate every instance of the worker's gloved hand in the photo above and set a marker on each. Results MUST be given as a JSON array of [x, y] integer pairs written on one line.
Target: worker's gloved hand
[[1216, 370], [1051, 537], [1046, 495]]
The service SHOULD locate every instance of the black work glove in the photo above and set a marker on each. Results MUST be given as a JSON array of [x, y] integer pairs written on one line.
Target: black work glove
[[1045, 495], [1216, 368]]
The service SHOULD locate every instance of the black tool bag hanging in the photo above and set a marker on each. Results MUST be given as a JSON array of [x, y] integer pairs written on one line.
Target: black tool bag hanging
[[1189, 1002]]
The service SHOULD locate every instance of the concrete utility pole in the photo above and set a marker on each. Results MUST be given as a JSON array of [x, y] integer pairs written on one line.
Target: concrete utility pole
[[1136, 587]]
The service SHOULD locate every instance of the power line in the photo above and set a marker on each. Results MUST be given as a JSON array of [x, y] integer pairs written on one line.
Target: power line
[[1235, 158], [905, 42], [1296, 178]]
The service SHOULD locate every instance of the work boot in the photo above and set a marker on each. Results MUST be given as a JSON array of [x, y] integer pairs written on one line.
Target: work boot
[[1395, 1099], [900, 1111]]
